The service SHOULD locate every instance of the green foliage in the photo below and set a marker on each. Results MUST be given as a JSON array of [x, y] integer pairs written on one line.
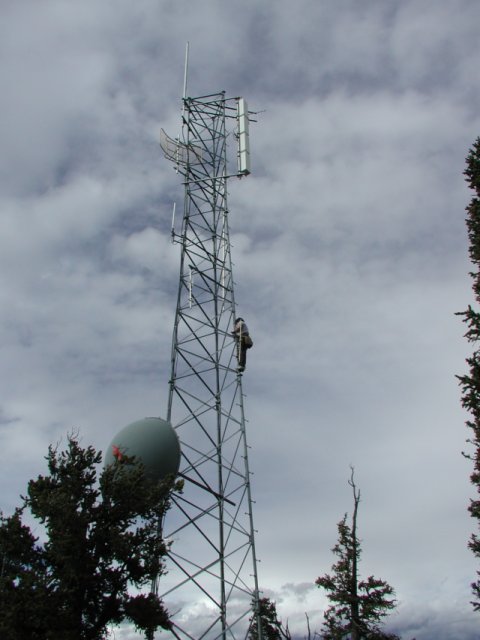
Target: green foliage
[[470, 383], [357, 606], [101, 539], [23, 582]]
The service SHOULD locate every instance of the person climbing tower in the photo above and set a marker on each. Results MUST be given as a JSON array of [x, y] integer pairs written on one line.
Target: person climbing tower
[[244, 342]]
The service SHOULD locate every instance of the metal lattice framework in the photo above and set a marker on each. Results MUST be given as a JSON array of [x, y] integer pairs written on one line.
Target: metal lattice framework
[[211, 588]]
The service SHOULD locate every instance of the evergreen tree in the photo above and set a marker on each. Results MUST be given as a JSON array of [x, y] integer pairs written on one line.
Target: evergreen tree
[[470, 383], [23, 585], [271, 627], [357, 605], [101, 539]]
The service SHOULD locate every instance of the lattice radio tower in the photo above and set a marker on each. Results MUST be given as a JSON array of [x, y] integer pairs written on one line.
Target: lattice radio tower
[[211, 585]]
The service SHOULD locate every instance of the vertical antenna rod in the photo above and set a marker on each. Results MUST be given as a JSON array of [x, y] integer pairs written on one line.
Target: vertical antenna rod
[[185, 75]]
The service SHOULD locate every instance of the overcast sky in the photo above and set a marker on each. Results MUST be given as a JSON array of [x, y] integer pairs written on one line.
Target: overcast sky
[[350, 255]]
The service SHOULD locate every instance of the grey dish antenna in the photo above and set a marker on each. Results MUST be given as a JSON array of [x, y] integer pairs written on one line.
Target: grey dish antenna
[[178, 152]]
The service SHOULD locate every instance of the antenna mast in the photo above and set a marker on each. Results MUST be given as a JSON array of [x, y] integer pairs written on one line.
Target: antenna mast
[[211, 584], [185, 75]]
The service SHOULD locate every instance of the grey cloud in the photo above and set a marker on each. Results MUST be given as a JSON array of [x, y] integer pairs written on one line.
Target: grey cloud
[[349, 251]]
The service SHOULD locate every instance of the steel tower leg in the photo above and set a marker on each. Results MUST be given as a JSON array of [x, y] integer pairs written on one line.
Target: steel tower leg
[[211, 588]]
